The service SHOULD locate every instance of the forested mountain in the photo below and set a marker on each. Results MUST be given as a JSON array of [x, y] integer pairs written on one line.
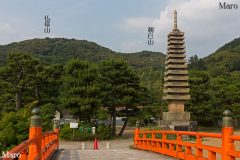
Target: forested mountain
[[223, 61], [226, 59], [233, 45], [215, 84], [60, 50], [46, 73]]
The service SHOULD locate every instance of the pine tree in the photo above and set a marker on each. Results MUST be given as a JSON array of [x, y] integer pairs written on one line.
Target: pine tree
[[19, 74], [120, 89], [80, 89]]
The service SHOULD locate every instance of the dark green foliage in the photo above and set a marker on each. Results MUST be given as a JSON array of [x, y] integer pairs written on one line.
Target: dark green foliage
[[67, 133], [120, 88], [96, 91], [49, 83], [216, 88], [233, 45], [60, 50], [200, 97], [152, 79], [47, 114], [19, 76], [195, 63], [120, 83], [210, 96], [145, 59], [103, 132], [226, 59], [80, 89], [14, 127]]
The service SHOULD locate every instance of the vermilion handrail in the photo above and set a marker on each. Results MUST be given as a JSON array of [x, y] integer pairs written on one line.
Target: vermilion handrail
[[22, 148], [46, 151], [50, 143], [176, 147], [39, 146]]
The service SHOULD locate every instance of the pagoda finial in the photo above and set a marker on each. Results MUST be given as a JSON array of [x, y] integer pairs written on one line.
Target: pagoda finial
[[175, 19]]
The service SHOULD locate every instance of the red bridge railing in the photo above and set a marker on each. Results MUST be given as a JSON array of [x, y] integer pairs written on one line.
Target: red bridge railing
[[171, 143], [39, 146]]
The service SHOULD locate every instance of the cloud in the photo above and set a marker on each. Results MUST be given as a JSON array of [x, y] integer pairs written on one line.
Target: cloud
[[7, 32], [11, 32], [131, 46], [135, 23], [206, 27], [6, 28]]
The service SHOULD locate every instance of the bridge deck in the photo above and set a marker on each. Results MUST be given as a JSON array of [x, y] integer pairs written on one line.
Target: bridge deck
[[119, 151]]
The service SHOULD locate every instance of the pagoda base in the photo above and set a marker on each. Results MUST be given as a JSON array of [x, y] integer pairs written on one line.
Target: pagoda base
[[178, 125], [176, 116], [177, 121]]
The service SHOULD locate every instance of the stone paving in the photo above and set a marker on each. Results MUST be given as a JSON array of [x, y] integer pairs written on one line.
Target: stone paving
[[112, 154], [119, 151]]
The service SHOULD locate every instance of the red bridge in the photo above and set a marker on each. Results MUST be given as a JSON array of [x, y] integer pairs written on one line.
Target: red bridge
[[42, 146]]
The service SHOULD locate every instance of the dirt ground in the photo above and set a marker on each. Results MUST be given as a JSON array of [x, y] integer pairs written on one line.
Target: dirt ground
[[217, 143]]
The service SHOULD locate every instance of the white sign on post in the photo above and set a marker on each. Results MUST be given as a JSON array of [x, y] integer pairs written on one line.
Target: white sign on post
[[93, 130], [73, 125]]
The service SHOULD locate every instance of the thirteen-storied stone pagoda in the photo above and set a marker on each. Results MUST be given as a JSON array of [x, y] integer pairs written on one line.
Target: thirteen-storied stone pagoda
[[176, 87]]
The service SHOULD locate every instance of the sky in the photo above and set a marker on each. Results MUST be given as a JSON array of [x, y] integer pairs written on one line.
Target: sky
[[122, 25]]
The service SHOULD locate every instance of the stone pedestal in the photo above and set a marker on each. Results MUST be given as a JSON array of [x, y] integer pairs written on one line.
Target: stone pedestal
[[176, 116], [176, 119], [178, 125]]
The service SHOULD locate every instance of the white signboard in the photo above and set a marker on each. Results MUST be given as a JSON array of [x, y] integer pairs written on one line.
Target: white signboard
[[93, 130], [73, 125]]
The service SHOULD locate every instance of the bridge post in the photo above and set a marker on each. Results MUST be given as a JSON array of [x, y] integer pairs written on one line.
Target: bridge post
[[57, 130], [136, 134], [35, 131], [227, 131]]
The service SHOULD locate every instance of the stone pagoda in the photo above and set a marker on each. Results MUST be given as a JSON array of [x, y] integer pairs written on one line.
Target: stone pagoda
[[176, 87]]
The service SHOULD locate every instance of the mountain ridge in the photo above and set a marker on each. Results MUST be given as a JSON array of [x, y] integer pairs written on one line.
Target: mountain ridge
[[59, 50]]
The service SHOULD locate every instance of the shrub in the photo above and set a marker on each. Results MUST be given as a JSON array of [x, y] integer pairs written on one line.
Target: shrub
[[14, 128], [103, 132], [67, 133]]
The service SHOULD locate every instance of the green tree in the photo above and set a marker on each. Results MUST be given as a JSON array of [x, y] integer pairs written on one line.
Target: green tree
[[19, 74], [120, 89], [195, 63], [49, 83], [152, 79], [14, 126], [200, 97], [80, 89]]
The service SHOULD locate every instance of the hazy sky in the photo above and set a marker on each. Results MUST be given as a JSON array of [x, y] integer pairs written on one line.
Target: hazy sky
[[121, 25]]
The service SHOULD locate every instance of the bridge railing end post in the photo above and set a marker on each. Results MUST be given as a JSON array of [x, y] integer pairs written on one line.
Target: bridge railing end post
[[136, 133], [227, 131], [35, 131], [57, 130]]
